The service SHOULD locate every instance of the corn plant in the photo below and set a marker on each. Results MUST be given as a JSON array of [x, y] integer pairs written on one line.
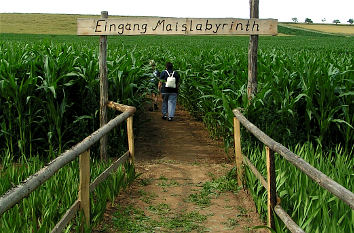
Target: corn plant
[[305, 201], [305, 97], [43, 208]]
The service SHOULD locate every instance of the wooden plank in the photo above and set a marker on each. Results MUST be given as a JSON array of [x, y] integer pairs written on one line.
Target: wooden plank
[[316, 175], [16, 194], [130, 137], [272, 192], [84, 187], [103, 176], [238, 151], [289, 223], [176, 26], [252, 55], [68, 216], [121, 107], [103, 88]]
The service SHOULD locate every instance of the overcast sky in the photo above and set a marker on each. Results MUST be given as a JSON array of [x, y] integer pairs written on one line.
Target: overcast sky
[[283, 10]]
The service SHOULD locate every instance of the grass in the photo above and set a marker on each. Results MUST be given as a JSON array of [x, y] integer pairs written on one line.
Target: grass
[[145, 181], [212, 189], [130, 219], [231, 223], [38, 24], [51, 24], [165, 182], [327, 28], [160, 217], [147, 197]]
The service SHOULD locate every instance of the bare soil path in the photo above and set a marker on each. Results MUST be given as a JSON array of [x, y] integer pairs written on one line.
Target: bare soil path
[[184, 184]]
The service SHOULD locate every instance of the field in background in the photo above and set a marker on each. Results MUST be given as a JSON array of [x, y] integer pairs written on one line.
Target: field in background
[[65, 24], [327, 28], [59, 24]]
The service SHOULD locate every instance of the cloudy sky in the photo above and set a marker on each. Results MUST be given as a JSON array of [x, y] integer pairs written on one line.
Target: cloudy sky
[[283, 10]]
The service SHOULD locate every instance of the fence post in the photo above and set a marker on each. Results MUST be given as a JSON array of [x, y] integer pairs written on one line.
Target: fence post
[[271, 182], [238, 152], [130, 137], [252, 54], [103, 89], [84, 188]]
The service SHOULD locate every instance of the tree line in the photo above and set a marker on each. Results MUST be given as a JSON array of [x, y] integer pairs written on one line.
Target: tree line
[[335, 21]]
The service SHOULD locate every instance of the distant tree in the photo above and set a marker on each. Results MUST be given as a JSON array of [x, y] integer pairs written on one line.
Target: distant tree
[[294, 20], [336, 21], [323, 20], [351, 21], [308, 20]]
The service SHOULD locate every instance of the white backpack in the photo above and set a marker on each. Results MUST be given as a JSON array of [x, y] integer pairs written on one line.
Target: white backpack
[[171, 81]]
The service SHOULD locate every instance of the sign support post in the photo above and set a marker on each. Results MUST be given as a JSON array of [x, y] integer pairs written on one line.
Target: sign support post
[[252, 54], [103, 88]]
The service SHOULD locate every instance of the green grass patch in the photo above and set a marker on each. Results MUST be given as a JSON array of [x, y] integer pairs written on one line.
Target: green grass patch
[[165, 182], [231, 223], [145, 181], [130, 219], [160, 209], [214, 188], [147, 197]]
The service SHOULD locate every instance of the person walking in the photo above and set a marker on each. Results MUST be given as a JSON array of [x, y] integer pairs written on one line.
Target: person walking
[[169, 84]]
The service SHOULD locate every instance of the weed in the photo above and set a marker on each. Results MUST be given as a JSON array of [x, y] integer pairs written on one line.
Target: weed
[[160, 209], [231, 223], [242, 210], [167, 183], [147, 197], [214, 188], [145, 181], [130, 219]]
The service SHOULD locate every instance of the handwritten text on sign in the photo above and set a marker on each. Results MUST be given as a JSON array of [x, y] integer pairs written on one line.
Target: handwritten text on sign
[[176, 26]]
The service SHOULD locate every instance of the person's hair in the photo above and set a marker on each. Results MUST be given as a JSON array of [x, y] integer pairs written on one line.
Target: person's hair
[[169, 66]]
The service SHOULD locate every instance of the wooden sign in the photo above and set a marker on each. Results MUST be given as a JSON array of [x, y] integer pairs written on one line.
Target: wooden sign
[[176, 26]]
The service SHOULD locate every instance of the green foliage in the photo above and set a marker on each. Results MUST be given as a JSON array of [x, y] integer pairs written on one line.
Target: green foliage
[[49, 93], [305, 97], [305, 83], [49, 101], [130, 219], [43, 208], [308, 20], [305, 201], [214, 188]]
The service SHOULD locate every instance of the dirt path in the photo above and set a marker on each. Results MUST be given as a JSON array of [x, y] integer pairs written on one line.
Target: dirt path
[[183, 186]]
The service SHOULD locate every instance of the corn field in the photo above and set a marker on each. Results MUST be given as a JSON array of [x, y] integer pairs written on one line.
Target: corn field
[[49, 92]]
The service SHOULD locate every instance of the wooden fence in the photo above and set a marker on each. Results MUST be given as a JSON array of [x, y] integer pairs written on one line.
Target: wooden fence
[[82, 149], [271, 147]]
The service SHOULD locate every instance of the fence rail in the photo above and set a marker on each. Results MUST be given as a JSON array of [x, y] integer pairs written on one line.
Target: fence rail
[[16, 194], [324, 181]]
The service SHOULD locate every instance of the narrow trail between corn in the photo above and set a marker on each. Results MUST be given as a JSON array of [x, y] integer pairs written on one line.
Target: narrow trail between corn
[[176, 159]]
